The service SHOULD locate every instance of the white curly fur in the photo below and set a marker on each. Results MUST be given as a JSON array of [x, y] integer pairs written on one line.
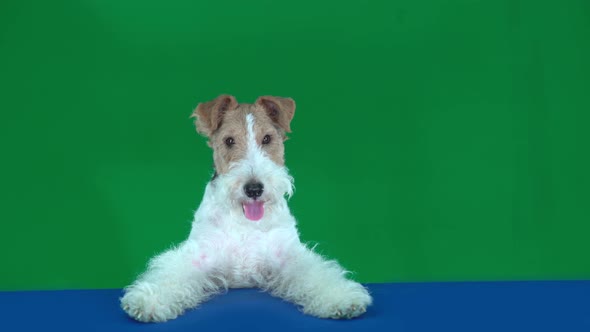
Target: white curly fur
[[226, 250]]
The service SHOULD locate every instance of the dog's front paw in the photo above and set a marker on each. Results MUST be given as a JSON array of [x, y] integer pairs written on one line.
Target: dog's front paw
[[348, 312], [143, 302], [341, 303]]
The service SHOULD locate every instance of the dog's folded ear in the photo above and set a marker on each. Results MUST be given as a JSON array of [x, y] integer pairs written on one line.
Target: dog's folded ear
[[210, 114], [279, 109]]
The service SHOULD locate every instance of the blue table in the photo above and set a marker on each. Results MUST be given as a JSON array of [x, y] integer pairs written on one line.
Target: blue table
[[474, 307]]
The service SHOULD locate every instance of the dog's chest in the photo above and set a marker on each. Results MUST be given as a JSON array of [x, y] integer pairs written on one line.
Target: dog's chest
[[244, 255], [245, 249], [245, 258]]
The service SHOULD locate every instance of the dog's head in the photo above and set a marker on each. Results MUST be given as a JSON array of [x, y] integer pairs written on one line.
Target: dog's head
[[248, 151]]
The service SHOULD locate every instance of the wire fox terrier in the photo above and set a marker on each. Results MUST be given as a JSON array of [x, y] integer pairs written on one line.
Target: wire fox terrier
[[243, 234]]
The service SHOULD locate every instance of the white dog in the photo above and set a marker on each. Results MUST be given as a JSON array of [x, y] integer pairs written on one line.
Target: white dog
[[243, 234]]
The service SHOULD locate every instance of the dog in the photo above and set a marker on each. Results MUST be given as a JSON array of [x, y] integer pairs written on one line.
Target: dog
[[243, 234]]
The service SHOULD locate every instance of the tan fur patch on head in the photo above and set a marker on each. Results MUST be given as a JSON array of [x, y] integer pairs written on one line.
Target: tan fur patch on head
[[209, 115], [234, 129], [224, 122], [280, 110], [264, 126]]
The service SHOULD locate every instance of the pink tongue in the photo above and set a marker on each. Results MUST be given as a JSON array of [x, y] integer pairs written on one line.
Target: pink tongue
[[254, 210]]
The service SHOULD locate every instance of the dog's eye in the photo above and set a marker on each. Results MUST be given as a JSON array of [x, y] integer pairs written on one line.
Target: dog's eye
[[266, 139], [229, 141]]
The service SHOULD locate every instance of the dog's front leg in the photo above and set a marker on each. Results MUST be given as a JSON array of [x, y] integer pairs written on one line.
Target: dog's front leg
[[174, 281], [318, 286]]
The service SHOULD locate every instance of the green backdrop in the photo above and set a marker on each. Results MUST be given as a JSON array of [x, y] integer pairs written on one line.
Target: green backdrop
[[433, 140]]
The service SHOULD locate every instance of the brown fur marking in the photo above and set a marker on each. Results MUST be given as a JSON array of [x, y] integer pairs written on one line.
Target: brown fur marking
[[209, 115], [224, 117], [280, 110]]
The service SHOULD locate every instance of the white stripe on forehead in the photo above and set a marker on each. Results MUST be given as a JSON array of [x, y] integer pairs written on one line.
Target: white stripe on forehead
[[251, 134]]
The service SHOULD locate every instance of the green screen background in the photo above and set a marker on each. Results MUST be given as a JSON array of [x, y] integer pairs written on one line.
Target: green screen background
[[433, 140]]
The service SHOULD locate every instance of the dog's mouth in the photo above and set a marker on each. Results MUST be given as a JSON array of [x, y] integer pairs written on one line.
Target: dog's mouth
[[253, 210]]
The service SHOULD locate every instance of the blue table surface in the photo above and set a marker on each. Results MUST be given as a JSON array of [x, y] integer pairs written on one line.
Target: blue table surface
[[459, 306]]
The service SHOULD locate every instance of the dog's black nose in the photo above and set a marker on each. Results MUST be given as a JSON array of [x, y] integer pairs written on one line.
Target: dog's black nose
[[253, 189]]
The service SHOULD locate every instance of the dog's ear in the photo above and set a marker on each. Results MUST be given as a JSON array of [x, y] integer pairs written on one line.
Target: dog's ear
[[279, 109], [209, 115]]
